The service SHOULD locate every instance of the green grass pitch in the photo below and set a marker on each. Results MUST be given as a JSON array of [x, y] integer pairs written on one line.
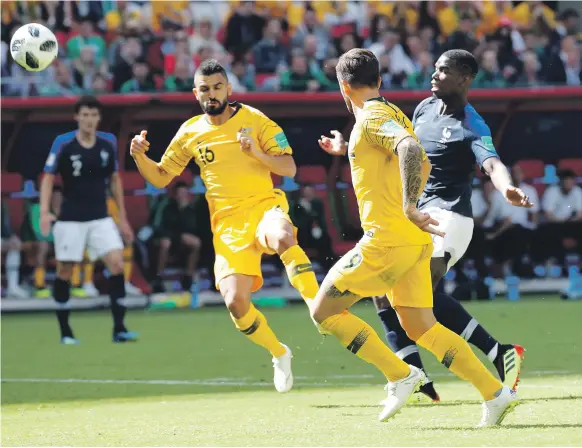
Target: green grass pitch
[[194, 380]]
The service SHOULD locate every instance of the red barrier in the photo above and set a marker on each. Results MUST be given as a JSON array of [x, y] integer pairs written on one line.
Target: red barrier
[[524, 94]]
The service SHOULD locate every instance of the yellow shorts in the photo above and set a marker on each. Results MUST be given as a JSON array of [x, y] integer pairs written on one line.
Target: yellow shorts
[[240, 239], [402, 273]]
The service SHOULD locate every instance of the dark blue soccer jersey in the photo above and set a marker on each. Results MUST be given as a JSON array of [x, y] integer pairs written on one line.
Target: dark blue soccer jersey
[[453, 144], [86, 173]]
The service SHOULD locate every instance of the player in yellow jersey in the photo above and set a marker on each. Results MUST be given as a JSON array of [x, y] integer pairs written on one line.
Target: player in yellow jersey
[[237, 148], [389, 170]]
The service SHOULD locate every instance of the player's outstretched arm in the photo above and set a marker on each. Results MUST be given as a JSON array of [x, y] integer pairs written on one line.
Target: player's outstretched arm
[[501, 178], [150, 170]]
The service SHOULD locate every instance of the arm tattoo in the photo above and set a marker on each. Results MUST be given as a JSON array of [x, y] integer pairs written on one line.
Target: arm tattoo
[[410, 161]]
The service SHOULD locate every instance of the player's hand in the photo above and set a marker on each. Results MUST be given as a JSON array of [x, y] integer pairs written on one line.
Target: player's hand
[[139, 144], [516, 196], [126, 231], [46, 219], [424, 222], [335, 146], [247, 143]]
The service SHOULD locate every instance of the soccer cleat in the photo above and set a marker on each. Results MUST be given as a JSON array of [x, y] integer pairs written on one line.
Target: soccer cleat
[[132, 290], [67, 340], [508, 364], [125, 336], [90, 290], [426, 392], [42, 293], [283, 377], [400, 391], [78, 293], [17, 292], [494, 411]]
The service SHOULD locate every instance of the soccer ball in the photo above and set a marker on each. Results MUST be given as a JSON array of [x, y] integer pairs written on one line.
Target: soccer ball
[[34, 47]]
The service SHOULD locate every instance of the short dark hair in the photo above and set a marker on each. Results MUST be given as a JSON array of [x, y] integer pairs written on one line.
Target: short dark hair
[[465, 62], [359, 68], [211, 67], [180, 184], [88, 101], [566, 173]]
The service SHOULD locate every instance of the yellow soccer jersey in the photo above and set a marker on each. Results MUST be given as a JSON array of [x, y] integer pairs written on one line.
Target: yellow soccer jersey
[[376, 174], [232, 178]]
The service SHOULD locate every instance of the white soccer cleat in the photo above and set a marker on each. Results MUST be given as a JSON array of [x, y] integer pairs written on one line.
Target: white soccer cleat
[[132, 290], [90, 290], [494, 411], [400, 391], [283, 377], [17, 292]]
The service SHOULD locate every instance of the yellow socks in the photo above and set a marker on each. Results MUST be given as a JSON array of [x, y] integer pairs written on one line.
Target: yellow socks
[[76, 276], [361, 339], [127, 262], [254, 326], [300, 272], [88, 272], [39, 277], [456, 355]]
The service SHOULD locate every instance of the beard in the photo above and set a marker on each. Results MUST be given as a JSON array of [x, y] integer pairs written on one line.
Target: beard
[[214, 109]]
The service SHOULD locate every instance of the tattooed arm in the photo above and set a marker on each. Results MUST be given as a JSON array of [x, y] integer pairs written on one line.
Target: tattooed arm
[[414, 171]]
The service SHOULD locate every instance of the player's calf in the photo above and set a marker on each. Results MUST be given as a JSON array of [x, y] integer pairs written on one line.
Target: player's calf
[[62, 295], [114, 264]]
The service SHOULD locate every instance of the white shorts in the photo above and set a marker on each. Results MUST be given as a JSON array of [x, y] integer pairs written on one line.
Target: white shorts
[[99, 237], [458, 233]]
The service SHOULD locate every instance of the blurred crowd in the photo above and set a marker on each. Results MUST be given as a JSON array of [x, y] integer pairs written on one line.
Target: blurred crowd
[[111, 46]]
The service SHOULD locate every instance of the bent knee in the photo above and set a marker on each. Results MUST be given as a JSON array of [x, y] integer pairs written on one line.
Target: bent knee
[[281, 239], [191, 241], [65, 270], [237, 302], [114, 262]]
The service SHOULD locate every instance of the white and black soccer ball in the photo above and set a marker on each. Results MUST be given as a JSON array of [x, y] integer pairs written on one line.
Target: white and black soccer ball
[[34, 47]]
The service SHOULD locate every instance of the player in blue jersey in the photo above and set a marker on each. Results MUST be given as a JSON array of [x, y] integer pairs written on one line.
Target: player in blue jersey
[[455, 136], [86, 159]]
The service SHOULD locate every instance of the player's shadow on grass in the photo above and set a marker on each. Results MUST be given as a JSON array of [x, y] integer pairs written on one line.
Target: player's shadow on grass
[[445, 403]]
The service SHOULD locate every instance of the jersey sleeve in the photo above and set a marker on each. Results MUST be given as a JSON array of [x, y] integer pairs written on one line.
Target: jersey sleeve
[[272, 139], [51, 165], [176, 157], [381, 129], [112, 140], [480, 138]]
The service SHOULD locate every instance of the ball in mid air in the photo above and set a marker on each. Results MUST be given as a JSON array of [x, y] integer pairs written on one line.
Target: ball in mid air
[[34, 47]]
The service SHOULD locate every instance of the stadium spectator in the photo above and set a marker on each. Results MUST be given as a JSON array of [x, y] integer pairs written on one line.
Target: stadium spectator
[[142, 80], [421, 78], [130, 50], [270, 54], [178, 234], [562, 207], [11, 246], [87, 37], [182, 80], [464, 37], [329, 79], [300, 78], [531, 69], [311, 27], [62, 85], [242, 76], [489, 75], [99, 85], [86, 67], [243, 29], [400, 64], [204, 37]]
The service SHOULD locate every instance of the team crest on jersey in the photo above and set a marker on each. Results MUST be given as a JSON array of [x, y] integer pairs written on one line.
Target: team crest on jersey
[[104, 158]]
